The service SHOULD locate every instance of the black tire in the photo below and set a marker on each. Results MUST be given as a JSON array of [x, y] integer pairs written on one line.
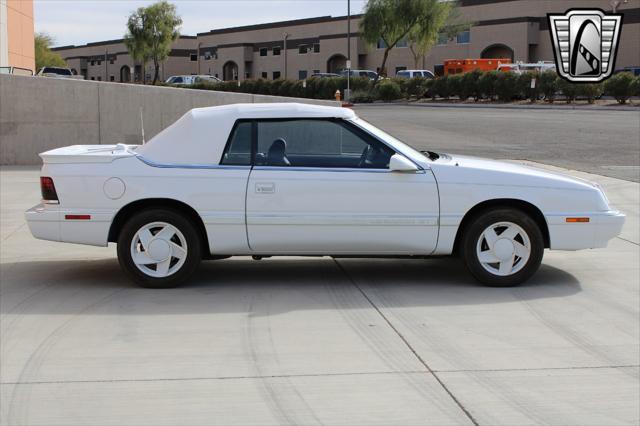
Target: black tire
[[473, 233], [135, 223]]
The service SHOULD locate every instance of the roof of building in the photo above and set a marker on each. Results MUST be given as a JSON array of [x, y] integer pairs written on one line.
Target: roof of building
[[280, 24], [200, 135]]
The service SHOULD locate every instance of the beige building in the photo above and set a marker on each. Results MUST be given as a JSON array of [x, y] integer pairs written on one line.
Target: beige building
[[516, 29], [110, 61], [16, 34]]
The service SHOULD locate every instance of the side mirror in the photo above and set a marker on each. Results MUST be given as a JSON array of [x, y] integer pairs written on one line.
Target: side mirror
[[399, 163]]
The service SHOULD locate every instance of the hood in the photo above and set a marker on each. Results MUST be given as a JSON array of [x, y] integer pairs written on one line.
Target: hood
[[484, 171]]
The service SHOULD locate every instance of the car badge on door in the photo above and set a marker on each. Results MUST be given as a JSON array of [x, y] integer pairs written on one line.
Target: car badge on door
[[585, 43]]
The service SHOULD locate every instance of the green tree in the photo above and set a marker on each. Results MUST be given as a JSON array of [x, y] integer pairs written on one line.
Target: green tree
[[44, 56], [436, 17], [390, 21], [150, 33]]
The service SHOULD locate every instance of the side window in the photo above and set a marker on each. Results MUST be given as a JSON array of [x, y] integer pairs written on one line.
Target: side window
[[318, 143], [238, 150]]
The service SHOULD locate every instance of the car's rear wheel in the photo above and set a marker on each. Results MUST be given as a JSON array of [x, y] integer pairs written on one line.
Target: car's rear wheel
[[159, 248], [502, 247]]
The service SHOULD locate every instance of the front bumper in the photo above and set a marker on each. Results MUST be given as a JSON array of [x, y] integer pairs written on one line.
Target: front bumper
[[601, 228]]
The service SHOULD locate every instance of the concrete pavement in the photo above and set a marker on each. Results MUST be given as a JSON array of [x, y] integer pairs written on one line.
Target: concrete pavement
[[315, 341]]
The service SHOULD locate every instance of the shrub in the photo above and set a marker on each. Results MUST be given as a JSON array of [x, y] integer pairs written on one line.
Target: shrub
[[548, 85], [620, 86], [590, 91], [388, 90], [441, 88], [402, 84], [487, 84], [635, 87], [470, 86], [524, 85], [362, 97], [428, 88], [454, 82], [506, 86], [416, 87], [569, 90]]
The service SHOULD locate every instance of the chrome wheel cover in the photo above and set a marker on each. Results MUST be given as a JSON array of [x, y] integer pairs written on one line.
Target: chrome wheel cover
[[159, 249], [503, 249]]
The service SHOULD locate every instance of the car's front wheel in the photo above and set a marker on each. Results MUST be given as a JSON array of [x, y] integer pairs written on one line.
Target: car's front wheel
[[503, 247], [159, 248]]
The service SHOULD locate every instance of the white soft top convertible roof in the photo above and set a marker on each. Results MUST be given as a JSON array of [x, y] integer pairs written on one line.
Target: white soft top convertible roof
[[200, 135]]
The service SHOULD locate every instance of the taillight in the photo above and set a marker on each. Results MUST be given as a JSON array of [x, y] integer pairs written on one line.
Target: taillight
[[48, 189]]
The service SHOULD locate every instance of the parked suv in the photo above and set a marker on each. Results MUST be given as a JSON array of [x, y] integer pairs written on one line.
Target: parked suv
[[187, 80], [55, 72], [372, 75], [415, 73]]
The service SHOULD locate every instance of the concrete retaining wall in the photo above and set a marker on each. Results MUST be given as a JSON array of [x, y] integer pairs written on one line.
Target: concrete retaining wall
[[38, 114]]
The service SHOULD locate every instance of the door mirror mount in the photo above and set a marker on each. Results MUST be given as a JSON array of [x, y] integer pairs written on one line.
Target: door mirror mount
[[400, 163]]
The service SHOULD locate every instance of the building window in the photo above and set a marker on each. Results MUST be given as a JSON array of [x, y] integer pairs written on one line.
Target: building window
[[316, 71], [398, 69], [464, 37], [99, 78], [402, 43], [193, 57], [316, 48], [99, 62], [207, 55], [276, 51], [276, 75], [442, 39], [303, 49], [93, 78], [112, 78], [93, 63], [263, 51], [265, 74], [381, 44], [302, 74], [111, 61]]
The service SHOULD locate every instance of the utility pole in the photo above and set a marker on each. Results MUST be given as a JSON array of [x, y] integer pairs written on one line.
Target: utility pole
[[198, 53], [348, 94], [106, 65], [285, 37]]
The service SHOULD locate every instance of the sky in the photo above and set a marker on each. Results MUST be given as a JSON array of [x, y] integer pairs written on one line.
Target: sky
[[85, 21]]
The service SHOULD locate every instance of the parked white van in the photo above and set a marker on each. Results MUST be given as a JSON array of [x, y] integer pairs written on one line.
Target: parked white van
[[415, 73]]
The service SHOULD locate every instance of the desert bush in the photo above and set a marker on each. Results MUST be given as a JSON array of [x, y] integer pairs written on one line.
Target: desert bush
[[454, 83], [387, 90], [487, 84], [470, 86], [441, 88], [506, 86], [620, 86], [416, 87], [569, 90], [524, 85], [362, 97], [548, 84], [590, 92]]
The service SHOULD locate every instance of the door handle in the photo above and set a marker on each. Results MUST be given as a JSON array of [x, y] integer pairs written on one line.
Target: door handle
[[265, 188]]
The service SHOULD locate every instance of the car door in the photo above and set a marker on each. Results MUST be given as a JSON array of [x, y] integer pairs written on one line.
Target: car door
[[323, 186]]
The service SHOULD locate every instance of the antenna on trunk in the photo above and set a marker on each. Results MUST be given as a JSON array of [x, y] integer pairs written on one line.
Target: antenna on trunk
[[142, 126]]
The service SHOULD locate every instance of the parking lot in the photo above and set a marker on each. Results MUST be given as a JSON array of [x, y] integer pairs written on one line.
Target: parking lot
[[323, 341]]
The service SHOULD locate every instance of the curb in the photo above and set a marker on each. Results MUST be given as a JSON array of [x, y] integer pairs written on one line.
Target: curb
[[505, 106]]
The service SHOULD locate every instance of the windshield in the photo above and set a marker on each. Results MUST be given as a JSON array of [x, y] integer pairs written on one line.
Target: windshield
[[397, 144]]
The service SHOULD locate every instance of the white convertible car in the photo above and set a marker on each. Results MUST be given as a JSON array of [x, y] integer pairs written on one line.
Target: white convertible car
[[292, 179]]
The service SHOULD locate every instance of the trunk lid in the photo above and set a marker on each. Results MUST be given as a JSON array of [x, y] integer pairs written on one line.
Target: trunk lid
[[87, 154]]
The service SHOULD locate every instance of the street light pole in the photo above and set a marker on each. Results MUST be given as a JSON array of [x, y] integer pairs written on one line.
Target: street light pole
[[106, 65], [347, 95], [285, 36], [198, 53]]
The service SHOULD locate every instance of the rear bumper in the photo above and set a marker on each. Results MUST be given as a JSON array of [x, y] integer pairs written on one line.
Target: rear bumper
[[49, 222], [602, 227]]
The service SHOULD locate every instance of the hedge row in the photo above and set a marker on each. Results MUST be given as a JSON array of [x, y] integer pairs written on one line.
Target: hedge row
[[491, 85], [506, 86]]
